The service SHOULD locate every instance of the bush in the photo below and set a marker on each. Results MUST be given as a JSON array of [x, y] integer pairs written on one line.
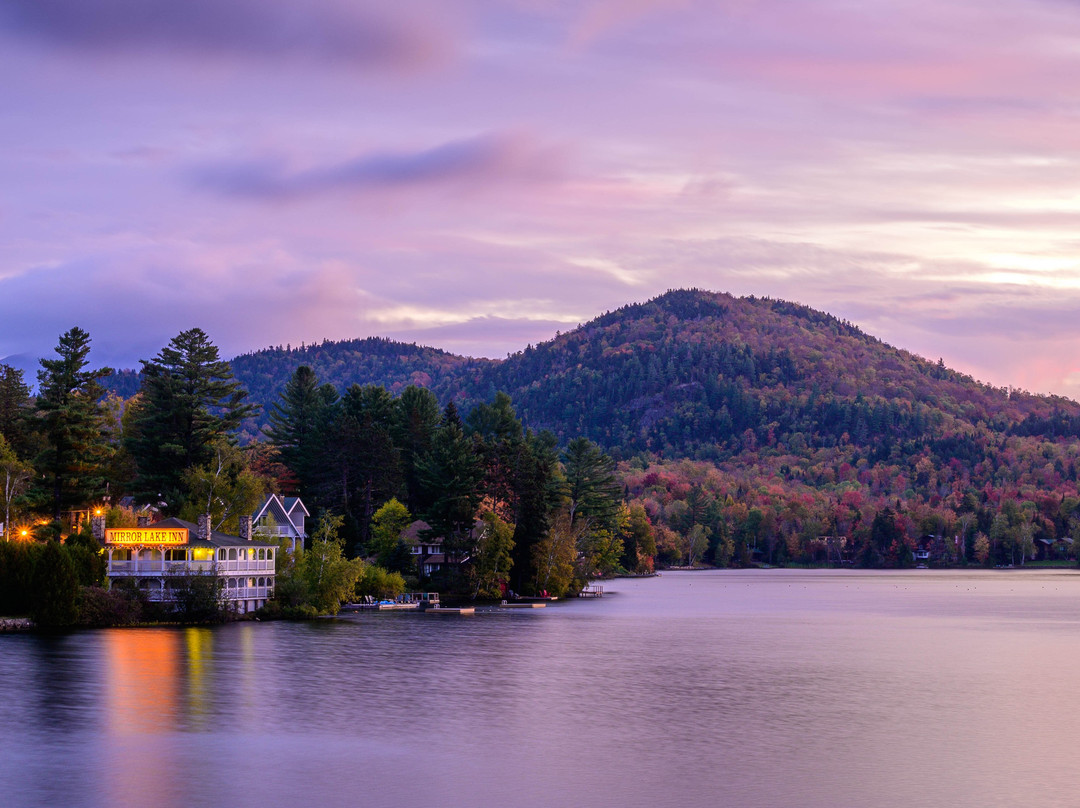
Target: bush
[[55, 588], [198, 598], [116, 607], [379, 583]]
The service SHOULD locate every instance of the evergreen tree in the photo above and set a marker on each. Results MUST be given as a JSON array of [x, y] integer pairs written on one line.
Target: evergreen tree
[[359, 464], [498, 436], [188, 402], [55, 587], [70, 466], [591, 488], [452, 474], [15, 411], [416, 418], [536, 487], [298, 421]]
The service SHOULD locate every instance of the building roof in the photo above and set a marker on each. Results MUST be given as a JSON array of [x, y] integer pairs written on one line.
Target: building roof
[[412, 533], [216, 539], [291, 504], [281, 509]]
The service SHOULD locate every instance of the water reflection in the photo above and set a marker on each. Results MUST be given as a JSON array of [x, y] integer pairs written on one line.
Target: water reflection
[[199, 646], [757, 688], [142, 680]]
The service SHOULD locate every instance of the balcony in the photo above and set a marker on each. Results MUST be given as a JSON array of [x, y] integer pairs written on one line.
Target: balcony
[[153, 567]]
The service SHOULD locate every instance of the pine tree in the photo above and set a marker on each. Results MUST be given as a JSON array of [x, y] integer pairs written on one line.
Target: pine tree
[[536, 487], [416, 418], [367, 462], [590, 486], [453, 475], [55, 587], [70, 414], [14, 410], [188, 402], [298, 421]]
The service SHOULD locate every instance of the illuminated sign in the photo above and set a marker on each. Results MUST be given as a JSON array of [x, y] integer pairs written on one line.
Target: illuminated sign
[[146, 535]]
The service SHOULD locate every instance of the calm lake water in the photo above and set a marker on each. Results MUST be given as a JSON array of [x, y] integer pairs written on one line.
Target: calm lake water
[[757, 688]]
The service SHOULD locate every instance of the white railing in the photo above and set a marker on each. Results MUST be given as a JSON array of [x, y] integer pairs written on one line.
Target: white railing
[[158, 595], [153, 567], [245, 566], [244, 592]]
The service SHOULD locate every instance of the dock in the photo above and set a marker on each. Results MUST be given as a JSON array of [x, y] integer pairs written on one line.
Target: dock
[[592, 591], [449, 610], [505, 605]]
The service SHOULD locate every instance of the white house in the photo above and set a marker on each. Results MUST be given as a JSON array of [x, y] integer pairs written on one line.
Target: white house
[[281, 517], [158, 555]]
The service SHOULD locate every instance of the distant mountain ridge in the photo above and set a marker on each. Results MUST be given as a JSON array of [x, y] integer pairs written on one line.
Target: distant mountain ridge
[[695, 374]]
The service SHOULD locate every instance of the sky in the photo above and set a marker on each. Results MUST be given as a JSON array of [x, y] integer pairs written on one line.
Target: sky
[[478, 175]]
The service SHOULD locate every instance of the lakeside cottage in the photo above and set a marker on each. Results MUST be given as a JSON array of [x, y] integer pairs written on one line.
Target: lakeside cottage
[[160, 557], [282, 518]]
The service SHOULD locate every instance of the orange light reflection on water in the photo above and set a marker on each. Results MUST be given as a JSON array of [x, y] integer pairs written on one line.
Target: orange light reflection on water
[[143, 680]]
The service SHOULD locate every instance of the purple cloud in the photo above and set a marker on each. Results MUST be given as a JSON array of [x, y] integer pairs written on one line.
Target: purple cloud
[[484, 158], [313, 31]]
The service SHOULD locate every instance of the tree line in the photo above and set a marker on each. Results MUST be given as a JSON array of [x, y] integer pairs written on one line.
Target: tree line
[[508, 509]]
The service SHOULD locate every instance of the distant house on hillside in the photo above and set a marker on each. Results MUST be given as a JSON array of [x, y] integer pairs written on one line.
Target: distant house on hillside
[[1053, 549], [282, 517], [428, 553]]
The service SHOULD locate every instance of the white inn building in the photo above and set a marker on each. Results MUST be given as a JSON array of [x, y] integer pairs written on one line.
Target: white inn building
[[157, 555]]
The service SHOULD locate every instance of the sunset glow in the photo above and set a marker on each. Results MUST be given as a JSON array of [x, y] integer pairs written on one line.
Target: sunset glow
[[477, 176]]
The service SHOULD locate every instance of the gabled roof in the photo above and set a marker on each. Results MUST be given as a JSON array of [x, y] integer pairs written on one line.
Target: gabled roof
[[291, 504], [216, 539], [412, 532], [281, 510]]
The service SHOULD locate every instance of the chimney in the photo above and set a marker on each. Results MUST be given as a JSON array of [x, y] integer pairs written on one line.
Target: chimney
[[97, 528], [245, 528], [202, 530], [142, 521]]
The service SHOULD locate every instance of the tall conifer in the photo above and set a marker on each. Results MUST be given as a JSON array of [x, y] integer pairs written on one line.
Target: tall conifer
[[70, 413], [298, 422], [188, 402], [452, 473]]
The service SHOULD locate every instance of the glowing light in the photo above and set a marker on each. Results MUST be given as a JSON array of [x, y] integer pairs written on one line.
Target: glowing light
[[146, 535]]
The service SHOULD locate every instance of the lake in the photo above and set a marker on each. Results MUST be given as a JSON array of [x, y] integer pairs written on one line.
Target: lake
[[728, 688]]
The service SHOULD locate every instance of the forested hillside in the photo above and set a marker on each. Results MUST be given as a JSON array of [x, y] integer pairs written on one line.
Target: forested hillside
[[700, 375], [756, 429], [389, 364]]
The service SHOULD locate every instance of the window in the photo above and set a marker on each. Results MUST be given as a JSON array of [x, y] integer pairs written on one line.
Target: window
[[221, 555], [176, 555], [232, 554]]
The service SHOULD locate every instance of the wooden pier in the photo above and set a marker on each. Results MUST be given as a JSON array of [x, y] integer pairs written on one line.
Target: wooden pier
[[449, 610], [592, 591]]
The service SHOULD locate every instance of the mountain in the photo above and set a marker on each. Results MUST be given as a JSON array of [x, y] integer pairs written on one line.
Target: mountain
[[701, 375], [374, 360], [766, 429]]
